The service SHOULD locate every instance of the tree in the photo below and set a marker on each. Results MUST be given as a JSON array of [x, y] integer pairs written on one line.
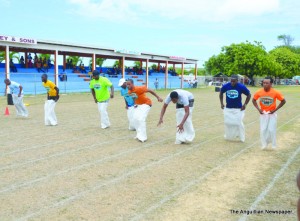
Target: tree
[[99, 61], [247, 58], [12, 55], [286, 39], [75, 60], [137, 64], [288, 60]]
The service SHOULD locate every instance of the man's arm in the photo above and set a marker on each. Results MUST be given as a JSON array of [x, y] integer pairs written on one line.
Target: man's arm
[[162, 113], [221, 99], [154, 94], [57, 93], [279, 106], [246, 102], [94, 95], [186, 115], [21, 88], [256, 106], [111, 91]]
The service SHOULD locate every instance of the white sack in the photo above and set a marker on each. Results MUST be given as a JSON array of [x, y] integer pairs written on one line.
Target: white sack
[[234, 126]]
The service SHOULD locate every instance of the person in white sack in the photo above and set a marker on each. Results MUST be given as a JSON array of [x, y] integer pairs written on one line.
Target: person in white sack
[[141, 108], [99, 87], [184, 101], [16, 91], [129, 102], [234, 111], [268, 117], [52, 98]]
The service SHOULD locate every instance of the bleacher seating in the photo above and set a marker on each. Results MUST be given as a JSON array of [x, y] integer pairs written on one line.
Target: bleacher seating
[[77, 82]]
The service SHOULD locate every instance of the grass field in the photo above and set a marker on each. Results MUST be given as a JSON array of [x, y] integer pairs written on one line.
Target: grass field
[[77, 171]]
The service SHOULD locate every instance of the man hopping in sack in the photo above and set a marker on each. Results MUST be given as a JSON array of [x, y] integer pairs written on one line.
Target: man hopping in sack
[[184, 101], [52, 98], [268, 117], [234, 111]]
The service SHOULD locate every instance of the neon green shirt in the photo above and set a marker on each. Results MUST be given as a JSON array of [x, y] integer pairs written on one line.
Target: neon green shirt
[[101, 88]]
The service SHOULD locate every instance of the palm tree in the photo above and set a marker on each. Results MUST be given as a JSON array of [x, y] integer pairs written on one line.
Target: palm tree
[[12, 55], [99, 61], [75, 60]]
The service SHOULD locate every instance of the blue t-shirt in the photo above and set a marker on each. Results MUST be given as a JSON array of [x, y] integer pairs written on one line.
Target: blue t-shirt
[[234, 94], [129, 100]]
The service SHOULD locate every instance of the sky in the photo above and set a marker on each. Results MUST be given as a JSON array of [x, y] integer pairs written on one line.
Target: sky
[[195, 29]]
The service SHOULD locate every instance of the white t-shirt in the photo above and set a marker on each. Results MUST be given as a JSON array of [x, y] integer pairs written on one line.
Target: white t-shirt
[[183, 97], [14, 88]]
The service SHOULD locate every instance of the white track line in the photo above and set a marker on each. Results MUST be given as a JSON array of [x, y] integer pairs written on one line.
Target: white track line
[[12, 187], [92, 146], [115, 180], [197, 181], [111, 182], [263, 194], [57, 142]]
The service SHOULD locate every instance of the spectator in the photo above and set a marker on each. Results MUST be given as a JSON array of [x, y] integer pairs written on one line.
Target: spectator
[[39, 65], [82, 68], [49, 63], [156, 83], [29, 60], [63, 76], [12, 66], [35, 60], [45, 65], [22, 62]]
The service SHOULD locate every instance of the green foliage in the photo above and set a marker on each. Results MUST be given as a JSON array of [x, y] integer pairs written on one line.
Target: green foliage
[[99, 61], [12, 55], [117, 64], [154, 67], [45, 57], [288, 61], [251, 59], [75, 59], [286, 39], [137, 64]]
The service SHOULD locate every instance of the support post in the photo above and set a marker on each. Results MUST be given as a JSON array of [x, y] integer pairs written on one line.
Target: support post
[[123, 67], [147, 73], [56, 67], [166, 75], [182, 71], [7, 68], [94, 62], [64, 61]]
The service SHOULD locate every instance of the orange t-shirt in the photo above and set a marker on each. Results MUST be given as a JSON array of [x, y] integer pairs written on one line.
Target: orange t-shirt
[[140, 92], [267, 100]]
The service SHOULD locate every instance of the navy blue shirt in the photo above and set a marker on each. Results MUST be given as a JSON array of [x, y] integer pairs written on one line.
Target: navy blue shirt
[[234, 94]]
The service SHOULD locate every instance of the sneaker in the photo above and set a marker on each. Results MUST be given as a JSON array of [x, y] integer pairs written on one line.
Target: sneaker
[[178, 142]]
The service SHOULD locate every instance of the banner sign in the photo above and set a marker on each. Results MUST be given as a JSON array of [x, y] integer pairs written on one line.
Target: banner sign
[[177, 58], [124, 51], [18, 39]]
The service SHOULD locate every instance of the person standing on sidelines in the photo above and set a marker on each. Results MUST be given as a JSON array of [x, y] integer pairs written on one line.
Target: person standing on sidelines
[[129, 102], [234, 110], [141, 108], [184, 101], [99, 87], [268, 117], [52, 98], [16, 91]]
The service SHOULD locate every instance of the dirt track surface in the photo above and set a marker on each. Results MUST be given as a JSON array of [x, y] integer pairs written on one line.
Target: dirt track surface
[[78, 171]]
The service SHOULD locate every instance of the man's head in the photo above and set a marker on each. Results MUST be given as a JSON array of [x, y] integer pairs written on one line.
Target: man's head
[[96, 74], [44, 78], [130, 84], [174, 96], [122, 83], [7, 81], [234, 80], [267, 83]]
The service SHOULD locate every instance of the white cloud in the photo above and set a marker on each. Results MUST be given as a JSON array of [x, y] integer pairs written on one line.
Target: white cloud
[[202, 10]]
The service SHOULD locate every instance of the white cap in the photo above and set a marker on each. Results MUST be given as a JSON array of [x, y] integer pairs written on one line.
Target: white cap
[[121, 81]]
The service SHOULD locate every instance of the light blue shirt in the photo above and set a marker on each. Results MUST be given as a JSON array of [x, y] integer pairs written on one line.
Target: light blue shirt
[[14, 88], [129, 100]]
